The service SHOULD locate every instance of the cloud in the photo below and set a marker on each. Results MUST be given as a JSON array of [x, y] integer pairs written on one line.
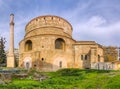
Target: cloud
[[97, 28], [96, 21], [91, 20]]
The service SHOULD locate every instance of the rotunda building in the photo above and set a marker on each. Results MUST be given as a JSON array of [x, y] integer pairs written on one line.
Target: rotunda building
[[48, 46]]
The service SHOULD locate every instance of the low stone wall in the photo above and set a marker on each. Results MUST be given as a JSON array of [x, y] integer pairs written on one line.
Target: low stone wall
[[103, 66], [9, 71]]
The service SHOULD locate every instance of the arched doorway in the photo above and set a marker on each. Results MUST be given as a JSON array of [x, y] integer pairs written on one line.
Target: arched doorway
[[27, 63]]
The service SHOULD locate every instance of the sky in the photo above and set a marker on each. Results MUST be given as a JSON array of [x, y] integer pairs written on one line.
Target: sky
[[92, 20]]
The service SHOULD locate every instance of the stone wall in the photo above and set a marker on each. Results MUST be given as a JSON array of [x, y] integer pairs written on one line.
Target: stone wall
[[44, 46], [103, 66], [86, 52], [47, 22], [47, 31], [42, 32]]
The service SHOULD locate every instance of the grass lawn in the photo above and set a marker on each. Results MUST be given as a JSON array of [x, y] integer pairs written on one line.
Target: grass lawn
[[71, 79]]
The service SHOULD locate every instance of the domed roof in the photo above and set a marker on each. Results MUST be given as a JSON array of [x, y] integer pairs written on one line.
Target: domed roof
[[48, 21]]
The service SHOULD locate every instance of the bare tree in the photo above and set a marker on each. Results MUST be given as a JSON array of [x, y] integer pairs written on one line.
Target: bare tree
[[110, 53]]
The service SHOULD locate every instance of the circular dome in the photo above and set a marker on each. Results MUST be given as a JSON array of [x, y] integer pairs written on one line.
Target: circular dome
[[49, 22]]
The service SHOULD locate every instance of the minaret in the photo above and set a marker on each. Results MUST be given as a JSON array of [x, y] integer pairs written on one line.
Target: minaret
[[10, 56]]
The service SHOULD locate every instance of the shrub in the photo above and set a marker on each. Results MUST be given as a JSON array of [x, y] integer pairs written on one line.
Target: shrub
[[69, 72]]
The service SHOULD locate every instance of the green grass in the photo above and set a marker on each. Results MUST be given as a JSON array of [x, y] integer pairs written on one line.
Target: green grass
[[71, 79]]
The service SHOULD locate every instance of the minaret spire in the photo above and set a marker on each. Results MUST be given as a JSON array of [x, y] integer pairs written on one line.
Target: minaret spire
[[10, 56]]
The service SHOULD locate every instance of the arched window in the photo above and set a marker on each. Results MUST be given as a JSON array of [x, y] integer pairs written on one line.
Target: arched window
[[81, 57], [86, 57], [59, 44], [98, 58], [60, 64], [28, 45]]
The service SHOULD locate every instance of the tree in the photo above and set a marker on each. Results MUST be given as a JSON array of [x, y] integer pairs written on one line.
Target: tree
[[2, 51], [110, 53]]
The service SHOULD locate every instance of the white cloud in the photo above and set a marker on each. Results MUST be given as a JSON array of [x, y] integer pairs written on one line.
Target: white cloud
[[96, 28], [96, 21], [90, 20]]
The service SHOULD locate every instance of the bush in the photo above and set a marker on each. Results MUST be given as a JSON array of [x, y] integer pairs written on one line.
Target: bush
[[69, 72], [69, 79]]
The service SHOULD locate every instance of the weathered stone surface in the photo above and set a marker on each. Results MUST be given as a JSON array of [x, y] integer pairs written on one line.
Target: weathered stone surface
[[5, 78], [39, 77], [42, 33], [21, 75]]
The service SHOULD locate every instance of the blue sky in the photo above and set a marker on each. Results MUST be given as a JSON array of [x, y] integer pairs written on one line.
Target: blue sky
[[93, 20]]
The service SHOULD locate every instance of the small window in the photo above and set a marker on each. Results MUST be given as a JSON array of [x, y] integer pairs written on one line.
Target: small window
[[86, 57], [81, 57], [60, 64], [98, 58]]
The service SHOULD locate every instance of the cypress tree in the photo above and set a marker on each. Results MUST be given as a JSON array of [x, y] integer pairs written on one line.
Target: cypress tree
[[2, 51]]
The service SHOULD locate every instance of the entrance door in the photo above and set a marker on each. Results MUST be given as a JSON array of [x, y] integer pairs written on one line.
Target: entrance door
[[27, 63]]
